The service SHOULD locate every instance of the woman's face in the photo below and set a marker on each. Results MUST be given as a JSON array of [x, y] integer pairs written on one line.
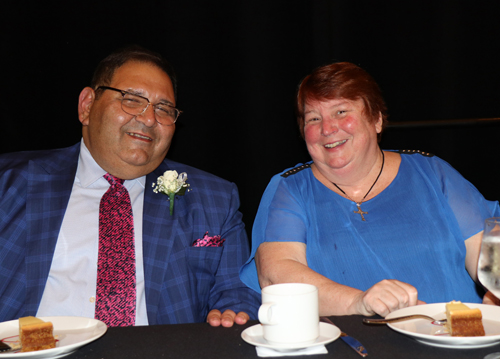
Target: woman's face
[[339, 134]]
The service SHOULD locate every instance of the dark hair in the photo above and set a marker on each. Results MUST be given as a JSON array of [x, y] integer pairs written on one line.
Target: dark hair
[[341, 80], [104, 72]]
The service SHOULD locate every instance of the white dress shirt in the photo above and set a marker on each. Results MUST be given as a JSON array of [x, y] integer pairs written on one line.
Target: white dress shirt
[[71, 285]]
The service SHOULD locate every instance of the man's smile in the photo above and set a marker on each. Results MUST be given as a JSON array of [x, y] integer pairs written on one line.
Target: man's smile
[[142, 137]]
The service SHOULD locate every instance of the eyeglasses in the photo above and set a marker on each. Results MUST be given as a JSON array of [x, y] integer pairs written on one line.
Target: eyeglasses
[[136, 105]]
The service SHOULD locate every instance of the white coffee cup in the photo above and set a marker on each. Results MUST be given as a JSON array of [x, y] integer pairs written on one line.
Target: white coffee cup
[[289, 313]]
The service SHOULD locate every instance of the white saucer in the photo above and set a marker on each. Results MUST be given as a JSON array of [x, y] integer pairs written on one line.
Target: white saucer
[[254, 335]]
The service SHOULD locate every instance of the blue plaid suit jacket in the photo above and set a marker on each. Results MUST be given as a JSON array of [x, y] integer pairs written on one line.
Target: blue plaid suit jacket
[[183, 283]]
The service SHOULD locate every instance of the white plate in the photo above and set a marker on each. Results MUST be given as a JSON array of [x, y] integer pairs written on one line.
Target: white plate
[[255, 335], [435, 335], [72, 333]]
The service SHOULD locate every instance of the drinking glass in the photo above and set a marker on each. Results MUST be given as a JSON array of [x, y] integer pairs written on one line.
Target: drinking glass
[[489, 258], [488, 270]]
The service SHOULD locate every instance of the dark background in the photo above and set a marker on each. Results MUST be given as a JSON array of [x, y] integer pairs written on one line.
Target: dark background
[[239, 63]]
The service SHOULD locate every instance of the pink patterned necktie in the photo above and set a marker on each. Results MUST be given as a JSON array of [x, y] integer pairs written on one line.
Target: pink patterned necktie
[[115, 294]]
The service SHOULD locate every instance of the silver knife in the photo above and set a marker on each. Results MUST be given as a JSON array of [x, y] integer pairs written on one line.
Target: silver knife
[[353, 343]]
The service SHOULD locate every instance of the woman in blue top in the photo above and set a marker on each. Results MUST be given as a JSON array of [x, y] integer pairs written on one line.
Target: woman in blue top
[[374, 230]]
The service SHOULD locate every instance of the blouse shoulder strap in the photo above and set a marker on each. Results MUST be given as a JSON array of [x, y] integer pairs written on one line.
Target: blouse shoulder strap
[[296, 170], [412, 152]]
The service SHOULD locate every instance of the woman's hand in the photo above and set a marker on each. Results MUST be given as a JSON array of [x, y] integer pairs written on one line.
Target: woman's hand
[[385, 297]]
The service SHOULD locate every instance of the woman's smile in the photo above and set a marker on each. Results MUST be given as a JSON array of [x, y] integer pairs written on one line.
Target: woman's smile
[[335, 144]]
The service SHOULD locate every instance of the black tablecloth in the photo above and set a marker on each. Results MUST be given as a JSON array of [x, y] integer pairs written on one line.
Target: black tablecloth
[[202, 341]]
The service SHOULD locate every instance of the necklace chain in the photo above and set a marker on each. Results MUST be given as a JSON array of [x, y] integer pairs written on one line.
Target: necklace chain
[[359, 211]]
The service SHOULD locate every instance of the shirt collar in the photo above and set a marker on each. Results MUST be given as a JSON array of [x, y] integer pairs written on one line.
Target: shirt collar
[[89, 171]]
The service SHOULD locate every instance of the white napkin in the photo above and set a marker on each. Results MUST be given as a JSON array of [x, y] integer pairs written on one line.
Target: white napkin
[[268, 352]]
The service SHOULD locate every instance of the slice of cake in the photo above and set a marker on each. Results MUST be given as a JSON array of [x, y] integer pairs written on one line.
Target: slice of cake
[[35, 334], [463, 321]]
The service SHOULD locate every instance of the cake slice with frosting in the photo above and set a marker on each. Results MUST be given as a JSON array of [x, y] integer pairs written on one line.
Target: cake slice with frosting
[[463, 321], [35, 334]]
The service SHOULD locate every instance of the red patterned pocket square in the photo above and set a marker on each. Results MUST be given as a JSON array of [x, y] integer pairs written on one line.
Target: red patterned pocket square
[[206, 241]]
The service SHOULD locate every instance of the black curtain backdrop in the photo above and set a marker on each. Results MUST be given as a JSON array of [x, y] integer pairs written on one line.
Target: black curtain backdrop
[[239, 63]]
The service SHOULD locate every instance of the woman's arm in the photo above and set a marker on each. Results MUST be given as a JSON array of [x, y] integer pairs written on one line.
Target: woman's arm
[[473, 248], [285, 262]]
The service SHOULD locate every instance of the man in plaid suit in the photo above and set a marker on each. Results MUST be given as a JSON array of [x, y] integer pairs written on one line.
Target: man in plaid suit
[[49, 204]]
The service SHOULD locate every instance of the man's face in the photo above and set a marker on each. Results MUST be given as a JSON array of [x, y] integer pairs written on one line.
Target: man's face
[[124, 145]]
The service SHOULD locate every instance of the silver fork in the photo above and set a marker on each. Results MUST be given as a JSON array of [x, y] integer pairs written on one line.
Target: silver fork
[[406, 317], [5, 348]]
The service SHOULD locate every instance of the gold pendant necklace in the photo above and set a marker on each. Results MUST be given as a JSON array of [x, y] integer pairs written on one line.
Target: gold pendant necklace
[[360, 211]]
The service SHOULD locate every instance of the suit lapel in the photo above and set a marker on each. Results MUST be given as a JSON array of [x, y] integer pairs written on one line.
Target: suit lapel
[[50, 180], [158, 233]]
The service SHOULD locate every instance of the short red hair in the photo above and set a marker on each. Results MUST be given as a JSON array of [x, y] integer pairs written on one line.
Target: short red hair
[[341, 80]]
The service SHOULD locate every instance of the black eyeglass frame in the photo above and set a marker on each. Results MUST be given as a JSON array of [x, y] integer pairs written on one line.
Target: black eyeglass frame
[[123, 92]]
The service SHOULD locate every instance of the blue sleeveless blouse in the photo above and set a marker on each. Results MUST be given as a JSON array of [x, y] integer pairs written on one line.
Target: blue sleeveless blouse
[[414, 230]]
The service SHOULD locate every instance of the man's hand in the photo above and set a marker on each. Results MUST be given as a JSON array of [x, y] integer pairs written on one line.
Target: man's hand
[[226, 319]]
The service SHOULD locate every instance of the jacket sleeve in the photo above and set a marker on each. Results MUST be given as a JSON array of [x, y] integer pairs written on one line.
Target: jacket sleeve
[[229, 292], [13, 189]]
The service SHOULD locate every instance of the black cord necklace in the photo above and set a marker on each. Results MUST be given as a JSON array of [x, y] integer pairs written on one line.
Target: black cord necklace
[[359, 211]]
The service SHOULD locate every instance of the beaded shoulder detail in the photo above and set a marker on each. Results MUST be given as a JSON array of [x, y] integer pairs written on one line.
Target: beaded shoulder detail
[[412, 152], [296, 170]]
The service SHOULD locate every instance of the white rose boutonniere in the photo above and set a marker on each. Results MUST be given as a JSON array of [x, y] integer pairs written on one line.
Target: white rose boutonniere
[[171, 184]]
